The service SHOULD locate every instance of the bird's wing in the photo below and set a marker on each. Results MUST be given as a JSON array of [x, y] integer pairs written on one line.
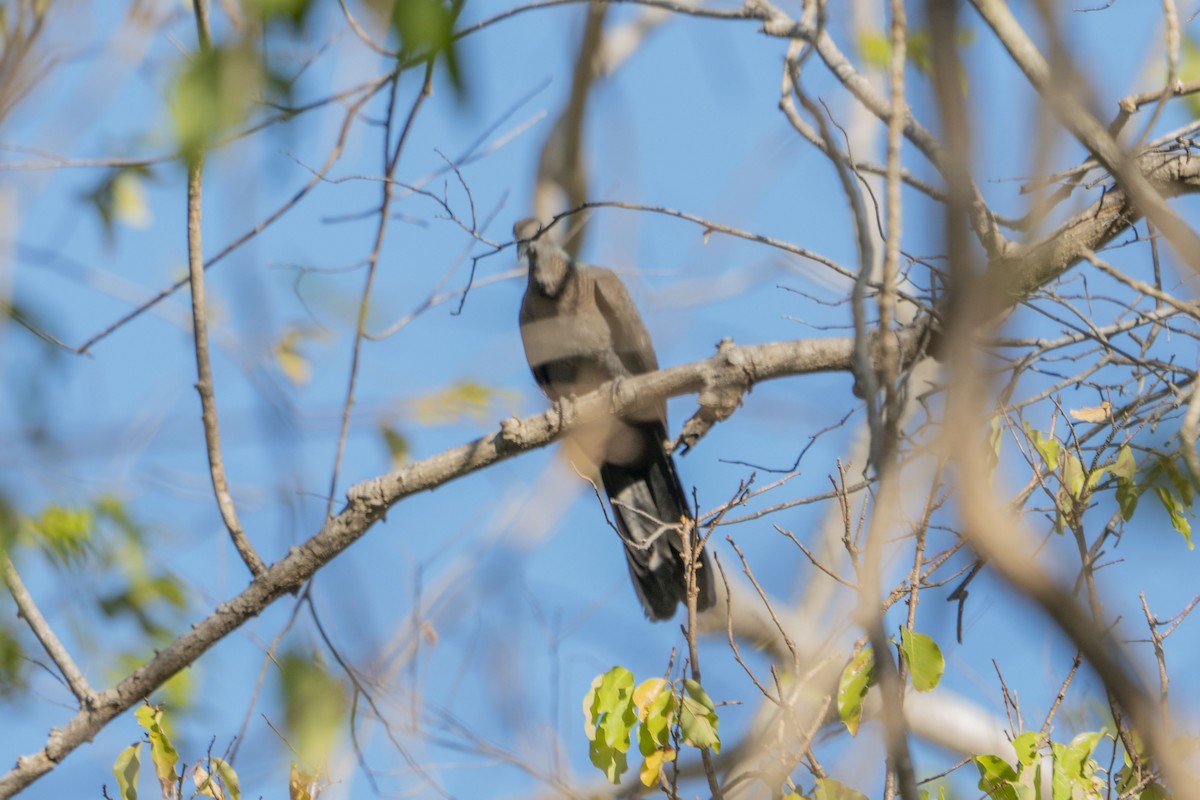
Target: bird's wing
[[630, 338]]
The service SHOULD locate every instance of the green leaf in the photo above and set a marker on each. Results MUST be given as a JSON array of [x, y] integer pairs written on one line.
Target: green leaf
[[1072, 475], [315, 706], [61, 532], [655, 703], [426, 30], [857, 677], [229, 777], [293, 12], [1026, 746], [1124, 469], [1048, 449], [1180, 481], [396, 443], [609, 760], [614, 712], [213, 93], [162, 752], [829, 789], [1074, 770], [996, 777], [698, 718], [925, 661], [1177, 513], [126, 767], [12, 658]]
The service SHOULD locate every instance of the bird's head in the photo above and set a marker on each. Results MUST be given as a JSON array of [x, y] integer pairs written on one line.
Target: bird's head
[[525, 231], [549, 266]]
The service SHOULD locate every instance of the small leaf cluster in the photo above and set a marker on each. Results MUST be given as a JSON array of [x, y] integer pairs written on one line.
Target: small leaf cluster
[[1160, 472], [217, 780], [668, 712], [1074, 775]]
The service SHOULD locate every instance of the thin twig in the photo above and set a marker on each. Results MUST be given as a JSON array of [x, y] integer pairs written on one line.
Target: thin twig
[[54, 648], [204, 380]]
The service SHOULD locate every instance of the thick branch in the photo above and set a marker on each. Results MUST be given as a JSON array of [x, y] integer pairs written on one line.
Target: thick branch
[[369, 501], [1013, 277], [1068, 107]]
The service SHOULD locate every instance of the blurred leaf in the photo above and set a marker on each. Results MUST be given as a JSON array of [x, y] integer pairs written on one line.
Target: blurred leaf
[[1189, 70], [144, 598], [291, 361], [396, 443], [1099, 413], [11, 659], [298, 784], [829, 789], [129, 200], [126, 767], [876, 49], [698, 717], [462, 399], [426, 30], [924, 658], [293, 12], [856, 678], [162, 752], [61, 533], [315, 705], [214, 92], [119, 196], [176, 694]]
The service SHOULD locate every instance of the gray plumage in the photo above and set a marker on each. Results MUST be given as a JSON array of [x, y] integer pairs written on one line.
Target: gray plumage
[[581, 329]]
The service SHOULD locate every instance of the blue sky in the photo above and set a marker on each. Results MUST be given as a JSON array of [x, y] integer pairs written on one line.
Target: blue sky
[[525, 587]]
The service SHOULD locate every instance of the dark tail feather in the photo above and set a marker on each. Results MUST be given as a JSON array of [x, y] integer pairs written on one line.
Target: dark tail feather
[[648, 501]]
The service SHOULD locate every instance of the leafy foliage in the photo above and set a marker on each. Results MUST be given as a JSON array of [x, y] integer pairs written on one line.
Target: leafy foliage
[[213, 777], [668, 712]]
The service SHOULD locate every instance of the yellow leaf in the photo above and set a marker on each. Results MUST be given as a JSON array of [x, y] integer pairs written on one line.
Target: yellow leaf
[[653, 765], [205, 785], [298, 784], [129, 200], [645, 694], [291, 361]]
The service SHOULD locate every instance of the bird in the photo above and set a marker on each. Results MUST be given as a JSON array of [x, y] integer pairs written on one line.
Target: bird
[[580, 330]]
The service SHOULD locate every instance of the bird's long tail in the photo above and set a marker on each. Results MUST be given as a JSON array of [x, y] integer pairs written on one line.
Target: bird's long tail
[[648, 503]]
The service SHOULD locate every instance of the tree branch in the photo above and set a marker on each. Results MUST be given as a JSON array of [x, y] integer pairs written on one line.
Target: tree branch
[[45, 634], [370, 500]]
